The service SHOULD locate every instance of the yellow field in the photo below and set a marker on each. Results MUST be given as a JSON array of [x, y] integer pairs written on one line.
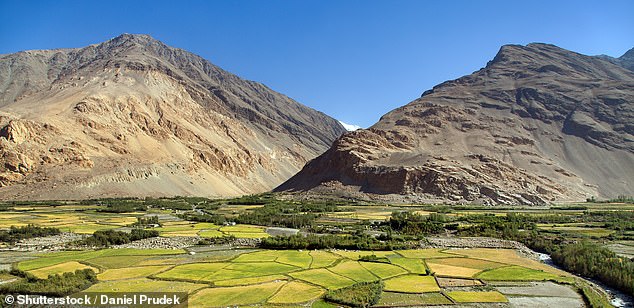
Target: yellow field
[[452, 271], [130, 272], [60, 269], [412, 284], [296, 292], [468, 262], [506, 256]]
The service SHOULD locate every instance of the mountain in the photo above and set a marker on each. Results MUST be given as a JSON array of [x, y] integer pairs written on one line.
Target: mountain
[[538, 124], [134, 117], [626, 60]]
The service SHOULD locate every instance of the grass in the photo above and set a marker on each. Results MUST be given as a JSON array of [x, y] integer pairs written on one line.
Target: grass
[[406, 299], [383, 270], [234, 296], [61, 268], [144, 285], [517, 273], [130, 272], [354, 271], [248, 281], [477, 297], [452, 271], [324, 278], [424, 253], [296, 292], [322, 258], [412, 284], [194, 271]]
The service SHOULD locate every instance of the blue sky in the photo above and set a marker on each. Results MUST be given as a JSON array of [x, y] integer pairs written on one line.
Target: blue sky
[[354, 60]]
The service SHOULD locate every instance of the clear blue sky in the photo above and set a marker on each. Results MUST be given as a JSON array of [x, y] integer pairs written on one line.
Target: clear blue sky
[[354, 60]]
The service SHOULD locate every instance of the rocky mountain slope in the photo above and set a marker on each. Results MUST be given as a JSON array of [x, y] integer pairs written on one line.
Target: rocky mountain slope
[[134, 117], [537, 124]]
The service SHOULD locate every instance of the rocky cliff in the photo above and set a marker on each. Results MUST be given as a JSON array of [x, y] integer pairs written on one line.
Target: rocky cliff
[[134, 117], [538, 124]]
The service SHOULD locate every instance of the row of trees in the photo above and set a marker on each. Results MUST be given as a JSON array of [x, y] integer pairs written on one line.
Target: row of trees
[[105, 238], [15, 234], [54, 285]]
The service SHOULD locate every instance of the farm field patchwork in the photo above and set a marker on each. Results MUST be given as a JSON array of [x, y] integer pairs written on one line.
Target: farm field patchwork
[[291, 277]]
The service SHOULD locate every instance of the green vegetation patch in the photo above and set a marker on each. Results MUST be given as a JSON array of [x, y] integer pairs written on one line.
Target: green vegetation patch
[[322, 258], [262, 268], [258, 256], [414, 266], [354, 271], [234, 296], [362, 294], [117, 261], [477, 297], [383, 270], [296, 292], [412, 284], [324, 278], [194, 271], [406, 299], [517, 273], [295, 258]]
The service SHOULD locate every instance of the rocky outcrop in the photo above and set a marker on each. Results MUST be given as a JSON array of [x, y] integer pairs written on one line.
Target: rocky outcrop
[[134, 117], [538, 124]]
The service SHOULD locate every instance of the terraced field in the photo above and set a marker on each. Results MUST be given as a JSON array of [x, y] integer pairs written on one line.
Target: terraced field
[[293, 277]]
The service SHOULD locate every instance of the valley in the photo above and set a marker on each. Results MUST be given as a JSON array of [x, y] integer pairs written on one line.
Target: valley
[[221, 253]]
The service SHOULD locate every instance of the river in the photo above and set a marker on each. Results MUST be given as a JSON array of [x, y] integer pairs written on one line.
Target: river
[[617, 298]]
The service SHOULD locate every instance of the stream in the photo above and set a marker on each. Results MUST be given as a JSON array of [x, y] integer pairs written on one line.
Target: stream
[[617, 298]]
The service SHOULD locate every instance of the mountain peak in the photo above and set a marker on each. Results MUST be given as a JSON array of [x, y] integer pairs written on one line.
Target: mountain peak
[[136, 38]]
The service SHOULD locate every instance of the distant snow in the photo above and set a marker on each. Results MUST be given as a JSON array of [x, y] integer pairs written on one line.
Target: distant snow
[[350, 127]]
